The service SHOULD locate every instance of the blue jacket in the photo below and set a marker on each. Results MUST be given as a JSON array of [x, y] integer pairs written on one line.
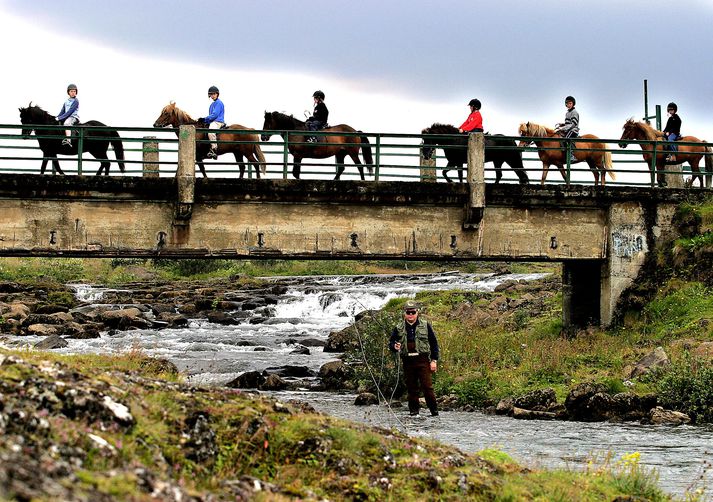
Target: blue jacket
[[70, 108], [216, 112]]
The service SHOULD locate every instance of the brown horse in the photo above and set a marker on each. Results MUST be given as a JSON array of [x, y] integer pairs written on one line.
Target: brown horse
[[686, 153], [239, 144], [325, 147], [552, 151]]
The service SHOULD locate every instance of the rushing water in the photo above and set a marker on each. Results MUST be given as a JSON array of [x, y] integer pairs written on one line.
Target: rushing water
[[314, 306]]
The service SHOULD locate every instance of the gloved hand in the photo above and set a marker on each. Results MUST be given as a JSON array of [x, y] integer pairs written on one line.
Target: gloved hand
[[201, 120]]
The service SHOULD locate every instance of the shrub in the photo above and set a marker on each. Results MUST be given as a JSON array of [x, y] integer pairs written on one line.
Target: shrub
[[687, 386]]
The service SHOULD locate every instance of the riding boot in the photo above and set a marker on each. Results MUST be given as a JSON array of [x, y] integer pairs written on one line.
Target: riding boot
[[67, 141]]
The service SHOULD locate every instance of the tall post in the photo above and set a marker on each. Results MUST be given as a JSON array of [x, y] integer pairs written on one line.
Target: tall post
[[428, 166], [150, 157], [186, 174], [476, 180]]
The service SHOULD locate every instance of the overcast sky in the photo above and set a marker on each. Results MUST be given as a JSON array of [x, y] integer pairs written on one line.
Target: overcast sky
[[385, 66]]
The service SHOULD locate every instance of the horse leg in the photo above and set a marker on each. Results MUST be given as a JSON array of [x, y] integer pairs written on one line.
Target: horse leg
[[696, 169], [103, 162], [498, 164], [296, 167], [239, 160], [253, 161], [201, 167], [545, 169], [44, 165], [355, 158], [460, 173], [445, 175], [340, 165], [595, 172]]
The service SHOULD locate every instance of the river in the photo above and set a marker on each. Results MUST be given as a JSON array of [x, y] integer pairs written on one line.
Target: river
[[314, 306]]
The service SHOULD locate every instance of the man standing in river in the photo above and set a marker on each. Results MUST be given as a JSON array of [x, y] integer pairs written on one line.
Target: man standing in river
[[416, 342]]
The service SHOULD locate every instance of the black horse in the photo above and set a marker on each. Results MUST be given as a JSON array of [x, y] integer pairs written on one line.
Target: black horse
[[95, 141], [455, 147], [326, 146]]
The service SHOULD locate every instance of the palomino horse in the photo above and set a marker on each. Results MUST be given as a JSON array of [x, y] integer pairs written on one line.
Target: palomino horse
[[552, 151], [455, 147], [239, 144], [94, 141], [686, 153], [326, 146]]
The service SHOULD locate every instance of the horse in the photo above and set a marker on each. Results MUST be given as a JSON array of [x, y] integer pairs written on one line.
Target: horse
[[96, 142], [686, 153], [241, 145], [552, 151], [497, 150], [326, 146]]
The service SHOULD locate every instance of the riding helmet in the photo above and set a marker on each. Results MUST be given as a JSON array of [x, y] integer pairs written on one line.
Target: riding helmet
[[475, 103], [672, 106], [213, 89], [318, 95], [72, 86], [570, 98]]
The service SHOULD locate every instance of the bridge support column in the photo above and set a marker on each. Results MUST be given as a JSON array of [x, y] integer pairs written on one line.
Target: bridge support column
[[186, 174], [581, 293], [476, 180], [150, 157], [428, 167]]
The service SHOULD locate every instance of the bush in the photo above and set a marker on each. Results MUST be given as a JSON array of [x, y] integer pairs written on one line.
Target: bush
[[687, 386]]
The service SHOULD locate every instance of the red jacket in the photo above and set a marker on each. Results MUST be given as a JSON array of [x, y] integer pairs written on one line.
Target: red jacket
[[474, 121]]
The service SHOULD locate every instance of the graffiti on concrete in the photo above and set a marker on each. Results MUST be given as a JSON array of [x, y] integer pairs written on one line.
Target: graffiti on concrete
[[626, 245]]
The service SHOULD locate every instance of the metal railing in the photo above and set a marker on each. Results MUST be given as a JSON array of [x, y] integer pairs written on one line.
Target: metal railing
[[394, 157]]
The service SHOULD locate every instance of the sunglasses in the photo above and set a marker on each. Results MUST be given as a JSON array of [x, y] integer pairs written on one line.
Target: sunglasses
[[410, 312]]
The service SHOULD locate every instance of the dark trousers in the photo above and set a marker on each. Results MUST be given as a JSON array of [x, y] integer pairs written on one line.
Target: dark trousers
[[314, 125], [417, 370]]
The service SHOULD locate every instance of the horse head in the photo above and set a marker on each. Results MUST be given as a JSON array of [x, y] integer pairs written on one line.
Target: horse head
[[629, 133], [426, 148], [271, 123], [524, 130], [33, 115], [167, 117]]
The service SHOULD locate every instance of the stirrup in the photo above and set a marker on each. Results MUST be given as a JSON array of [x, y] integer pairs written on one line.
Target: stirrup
[[67, 141], [212, 154]]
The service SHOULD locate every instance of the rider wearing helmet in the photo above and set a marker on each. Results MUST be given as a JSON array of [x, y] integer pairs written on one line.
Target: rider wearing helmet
[[318, 120], [214, 120], [69, 114], [672, 131], [570, 127], [474, 122]]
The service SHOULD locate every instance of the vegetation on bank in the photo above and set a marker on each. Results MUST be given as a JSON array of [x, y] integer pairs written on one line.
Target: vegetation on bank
[[186, 441]]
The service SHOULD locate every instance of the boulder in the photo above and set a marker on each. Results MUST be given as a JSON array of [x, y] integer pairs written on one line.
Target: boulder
[[300, 350], [539, 399], [335, 374], [523, 414], [51, 342], [290, 370], [655, 359], [504, 406], [577, 401], [366, 399], [248, 380], [660, 416], [42, 330], [273, 382]]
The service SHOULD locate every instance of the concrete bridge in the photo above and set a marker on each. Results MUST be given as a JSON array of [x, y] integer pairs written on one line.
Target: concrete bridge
[[600, 235]]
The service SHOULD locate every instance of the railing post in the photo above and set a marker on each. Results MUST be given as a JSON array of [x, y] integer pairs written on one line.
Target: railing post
[[568, 153], [476, 181], [186, 174], [377, 157], [285, 152], [80, 147], [428, 166], [150, 157]]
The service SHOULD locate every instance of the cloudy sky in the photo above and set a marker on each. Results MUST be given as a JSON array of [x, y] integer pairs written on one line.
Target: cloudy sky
[[385, 66]]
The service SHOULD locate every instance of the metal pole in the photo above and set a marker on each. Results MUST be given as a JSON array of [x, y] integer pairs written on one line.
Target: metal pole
[[646, 101], [286, 138], [377, 157], [658, 117], [80, 147]]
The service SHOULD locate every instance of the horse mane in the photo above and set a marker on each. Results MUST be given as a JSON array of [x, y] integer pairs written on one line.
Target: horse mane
[[437, 128], [182, 116], [535, 130], [649, 131]]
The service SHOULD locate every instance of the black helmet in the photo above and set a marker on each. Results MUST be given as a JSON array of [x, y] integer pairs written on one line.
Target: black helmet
[[474, 103], [672, 106], [71, 87], [213, 89], [570, 98], [318, 94]]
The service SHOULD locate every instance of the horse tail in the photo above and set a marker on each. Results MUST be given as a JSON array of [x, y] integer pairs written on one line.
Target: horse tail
[[709, 164], [261, 159], [608, 165], [118, 150], [366, 152]]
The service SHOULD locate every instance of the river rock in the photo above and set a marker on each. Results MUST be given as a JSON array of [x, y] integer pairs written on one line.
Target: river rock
[[660, 416], [504, 406], [523, 414], [290, 370], [538, 400], [51, 308], [41, 330], [577, 401], [273, 382], [366, 399], [51, 342], [300, 350], [220, 317], [335, 374], [307, 342], [655, 359], [341, 341], [247, 380]]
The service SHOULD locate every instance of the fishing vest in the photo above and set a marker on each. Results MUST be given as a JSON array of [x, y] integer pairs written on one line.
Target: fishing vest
[[422, 345]]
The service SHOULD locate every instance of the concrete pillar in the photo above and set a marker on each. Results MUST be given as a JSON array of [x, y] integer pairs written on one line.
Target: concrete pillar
[[476, 180], [581, 289], [150, 157], [674, 176], [428, 167], [186, 173]]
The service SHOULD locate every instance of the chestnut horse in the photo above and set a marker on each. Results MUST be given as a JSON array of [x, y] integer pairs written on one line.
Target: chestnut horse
[[552, 150], [686, 153], [325, 147], [239, 144]]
